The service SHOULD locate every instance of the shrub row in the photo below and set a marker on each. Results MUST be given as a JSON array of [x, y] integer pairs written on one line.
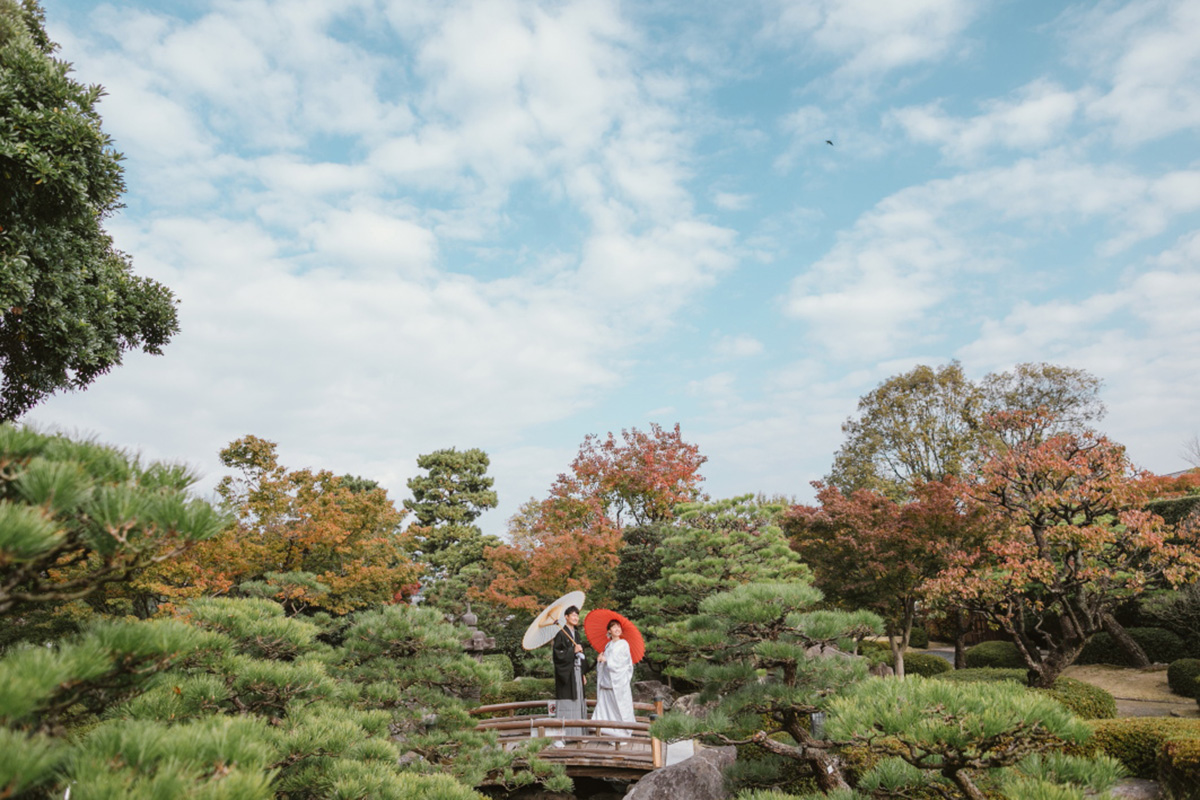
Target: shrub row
[[1141, 744], [926, 664], [1181, 677], [997, 654], [1161, 646]]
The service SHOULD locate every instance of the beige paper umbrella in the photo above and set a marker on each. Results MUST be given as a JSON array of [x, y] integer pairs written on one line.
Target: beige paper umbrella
[[550, 621]]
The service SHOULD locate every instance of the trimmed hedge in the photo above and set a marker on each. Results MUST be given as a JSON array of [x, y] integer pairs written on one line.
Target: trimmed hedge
[[919, 638], [518, 691], [1085, 700], [1161, 646], [1136, 741], [925, 664], [1181, 676], [994, 654], [1178, 765], [987, 675]]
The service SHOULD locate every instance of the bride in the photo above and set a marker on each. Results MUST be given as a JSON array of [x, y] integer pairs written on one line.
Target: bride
[[614, 671]]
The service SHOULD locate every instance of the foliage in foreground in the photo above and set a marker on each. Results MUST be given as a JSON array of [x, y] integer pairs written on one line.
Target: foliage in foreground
[[70, 305]]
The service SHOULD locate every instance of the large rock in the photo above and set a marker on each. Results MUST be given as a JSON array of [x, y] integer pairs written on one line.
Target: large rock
[[690, 704], [700, 777], [649, 691], [1136, 789]]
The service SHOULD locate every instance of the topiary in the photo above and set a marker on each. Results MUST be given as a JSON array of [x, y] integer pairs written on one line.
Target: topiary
[[926, 664], [995, 654], [986, 675], [519, 691], [1087, 701], [1135, 741], [1178, 764], [1181, 676], [919, 638], [1161, 646]]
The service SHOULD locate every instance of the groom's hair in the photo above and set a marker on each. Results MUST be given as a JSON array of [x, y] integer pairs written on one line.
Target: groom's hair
[[571, 610]]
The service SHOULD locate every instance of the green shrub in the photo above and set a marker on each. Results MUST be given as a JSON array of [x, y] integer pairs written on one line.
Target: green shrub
[[994, 654], [1161, 646], [1135, 741], [875, 652], [1181, 676], [519, 691], [1178, 765], [502, 664], [925, 664], [1087, 701], [919, 638], [987, 675]]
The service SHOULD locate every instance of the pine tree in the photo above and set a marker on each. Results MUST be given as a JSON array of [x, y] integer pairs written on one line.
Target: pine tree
[[751, 652]]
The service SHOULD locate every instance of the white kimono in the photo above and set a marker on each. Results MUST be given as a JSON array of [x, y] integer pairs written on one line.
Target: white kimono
[[614, 697]]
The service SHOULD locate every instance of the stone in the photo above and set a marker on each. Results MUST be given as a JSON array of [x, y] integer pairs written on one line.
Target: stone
[[1136, 789], [648, 691], [882, 670], [689, 704], [700, 777]]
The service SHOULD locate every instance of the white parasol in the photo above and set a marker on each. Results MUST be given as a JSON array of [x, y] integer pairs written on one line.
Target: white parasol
[[550, 621]]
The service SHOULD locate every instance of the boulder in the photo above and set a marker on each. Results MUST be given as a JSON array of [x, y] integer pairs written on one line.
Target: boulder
[[700, 777], [689, 704], [1136, 789], [882, 670], [648, 691]]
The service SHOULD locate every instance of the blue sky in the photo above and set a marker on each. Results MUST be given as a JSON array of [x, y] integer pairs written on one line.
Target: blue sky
[[396, 225]]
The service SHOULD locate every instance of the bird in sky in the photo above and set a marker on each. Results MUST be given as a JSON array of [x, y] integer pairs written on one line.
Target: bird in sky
[[829, 142]]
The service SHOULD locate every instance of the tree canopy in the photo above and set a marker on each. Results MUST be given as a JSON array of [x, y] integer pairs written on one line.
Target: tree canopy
[[70, 305], [1073, 544], [928, 423]]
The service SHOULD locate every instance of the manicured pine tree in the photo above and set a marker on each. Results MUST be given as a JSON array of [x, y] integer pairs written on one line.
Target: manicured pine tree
[[755, 653]]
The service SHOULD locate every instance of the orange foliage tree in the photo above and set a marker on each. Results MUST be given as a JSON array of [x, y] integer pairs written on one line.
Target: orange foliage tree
[[310, 540], [570, 539], [1075, 544]]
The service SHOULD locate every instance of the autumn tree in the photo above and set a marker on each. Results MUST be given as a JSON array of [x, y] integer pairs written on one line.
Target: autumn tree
[[1074, 544], [868, 551], [301, 537], [570, 539], [927, 424], [70, 305]]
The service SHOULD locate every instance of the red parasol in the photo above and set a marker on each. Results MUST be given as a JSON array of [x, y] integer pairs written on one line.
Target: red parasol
[[595, 625]]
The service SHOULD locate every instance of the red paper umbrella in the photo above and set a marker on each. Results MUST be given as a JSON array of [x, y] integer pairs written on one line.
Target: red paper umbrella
[[595, 625]]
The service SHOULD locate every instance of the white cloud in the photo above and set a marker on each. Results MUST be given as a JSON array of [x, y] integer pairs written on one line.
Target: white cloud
[[875, 36], [1147, 51], [730, 201], [1034, 119], [740, 346], [923, 245]]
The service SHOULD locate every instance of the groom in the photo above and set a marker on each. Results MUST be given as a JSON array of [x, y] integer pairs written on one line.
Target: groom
[[570, 664]]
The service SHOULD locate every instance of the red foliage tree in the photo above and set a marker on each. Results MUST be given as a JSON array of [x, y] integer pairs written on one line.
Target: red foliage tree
[[1075, 543], [867, 550], [570, 540]]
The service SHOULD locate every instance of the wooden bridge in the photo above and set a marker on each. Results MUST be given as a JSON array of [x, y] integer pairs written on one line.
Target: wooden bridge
[[591, 755]]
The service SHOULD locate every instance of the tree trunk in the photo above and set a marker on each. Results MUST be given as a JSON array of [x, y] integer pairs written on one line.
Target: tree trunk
[[1132, 650], [826, 768], [961, 620], [963, 781]]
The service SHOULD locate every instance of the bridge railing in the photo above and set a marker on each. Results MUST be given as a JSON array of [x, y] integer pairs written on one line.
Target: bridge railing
[[518, 722]]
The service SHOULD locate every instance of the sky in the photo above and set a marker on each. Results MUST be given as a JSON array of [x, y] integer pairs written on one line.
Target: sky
[[395, 226]]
